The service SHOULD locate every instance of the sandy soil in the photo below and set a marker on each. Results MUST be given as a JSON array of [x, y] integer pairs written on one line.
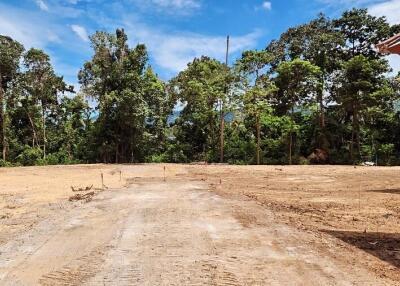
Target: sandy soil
[[204, 225]]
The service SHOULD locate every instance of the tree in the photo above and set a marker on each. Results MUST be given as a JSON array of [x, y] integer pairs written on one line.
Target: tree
[[127, 92], [42, 85], [158, 110], [316, 42], [298, 82], [361, 85], [257, 96], [72, 126], [10, 54], [362, 32], [199, 87], [320, 47]]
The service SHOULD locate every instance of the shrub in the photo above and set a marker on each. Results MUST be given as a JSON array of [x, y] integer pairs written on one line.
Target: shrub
[[30, 156], [4, 163]]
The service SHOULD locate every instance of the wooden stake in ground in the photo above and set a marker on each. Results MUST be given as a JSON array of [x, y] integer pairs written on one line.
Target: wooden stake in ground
[[102, 181], [359, 199], [165, 179], [120, 175]]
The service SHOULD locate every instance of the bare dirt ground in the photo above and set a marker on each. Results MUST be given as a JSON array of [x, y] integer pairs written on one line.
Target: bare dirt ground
[[204, 225]]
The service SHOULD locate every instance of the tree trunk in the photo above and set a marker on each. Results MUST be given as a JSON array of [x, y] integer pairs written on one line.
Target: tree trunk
[[321, 111], [222, 126], [3, 123], [290, 146], [357, 134], [44, 132], [354, 134], [258, 130], [33, 130], [116, 154], [291, 134], [352, 143]]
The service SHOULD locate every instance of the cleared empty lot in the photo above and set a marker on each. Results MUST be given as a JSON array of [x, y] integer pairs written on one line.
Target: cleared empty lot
[[203, 225]]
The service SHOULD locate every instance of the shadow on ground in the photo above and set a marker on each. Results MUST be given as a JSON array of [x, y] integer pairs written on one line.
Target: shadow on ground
[[385, 246], [386, 191]]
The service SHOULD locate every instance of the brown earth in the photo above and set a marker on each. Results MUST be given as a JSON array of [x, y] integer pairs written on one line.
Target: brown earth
[[203, 225]]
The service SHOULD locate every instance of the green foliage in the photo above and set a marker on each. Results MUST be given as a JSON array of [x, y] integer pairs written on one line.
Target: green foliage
[[298, 82], [361, 85], [361, 32], [10, 54], [30, 156], [320, 86], [240, 147], [200, 87], [131, 99], [386, 153], [4, 163]]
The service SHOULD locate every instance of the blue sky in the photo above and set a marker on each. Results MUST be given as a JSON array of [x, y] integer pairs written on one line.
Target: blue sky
[[175, 31]]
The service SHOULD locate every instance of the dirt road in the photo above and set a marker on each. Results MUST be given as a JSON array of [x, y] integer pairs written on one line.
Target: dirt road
[[172, 233]]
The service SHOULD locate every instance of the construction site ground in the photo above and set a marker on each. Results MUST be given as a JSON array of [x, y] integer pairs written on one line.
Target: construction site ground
[[200, 224]]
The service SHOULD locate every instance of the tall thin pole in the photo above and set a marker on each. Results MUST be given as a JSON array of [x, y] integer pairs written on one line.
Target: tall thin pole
[[222, 123], [227, 51]]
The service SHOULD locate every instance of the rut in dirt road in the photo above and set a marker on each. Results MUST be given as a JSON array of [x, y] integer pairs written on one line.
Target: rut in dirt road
[[175, 233]]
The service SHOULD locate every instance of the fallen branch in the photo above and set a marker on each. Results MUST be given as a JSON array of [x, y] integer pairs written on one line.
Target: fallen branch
[[88, 188], [80, 197]]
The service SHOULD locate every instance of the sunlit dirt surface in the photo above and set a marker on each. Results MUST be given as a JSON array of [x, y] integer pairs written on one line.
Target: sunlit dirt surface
[[200, 225]]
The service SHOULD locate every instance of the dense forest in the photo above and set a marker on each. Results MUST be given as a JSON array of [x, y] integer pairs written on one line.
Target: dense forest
[[321, 93]]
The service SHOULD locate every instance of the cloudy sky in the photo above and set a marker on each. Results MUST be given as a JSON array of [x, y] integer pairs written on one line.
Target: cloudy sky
[[174, 31]]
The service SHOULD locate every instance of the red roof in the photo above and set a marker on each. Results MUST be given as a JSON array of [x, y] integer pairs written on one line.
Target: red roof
[[390, 46]]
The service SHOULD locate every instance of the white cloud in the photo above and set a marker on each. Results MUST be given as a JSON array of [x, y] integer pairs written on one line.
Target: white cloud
[[349, 3], [175, 52], [172, 51], [179, 4], [390, 9], [170, 6], [267, 5], [80, 32], [42, 5], [18, 25]]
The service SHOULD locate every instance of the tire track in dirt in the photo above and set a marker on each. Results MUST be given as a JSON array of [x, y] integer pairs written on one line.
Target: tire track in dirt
[[81, 270]]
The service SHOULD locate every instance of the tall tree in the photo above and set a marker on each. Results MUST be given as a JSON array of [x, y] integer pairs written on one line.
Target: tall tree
[[42, 85], [362, 32], [298, 82], [199, 87], [159, 107], [118, 79], [71, 126], [10, 55], [317, 42], [360, 86], [254, 65]]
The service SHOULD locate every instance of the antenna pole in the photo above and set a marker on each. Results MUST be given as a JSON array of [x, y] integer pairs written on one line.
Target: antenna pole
[[222, 123]]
